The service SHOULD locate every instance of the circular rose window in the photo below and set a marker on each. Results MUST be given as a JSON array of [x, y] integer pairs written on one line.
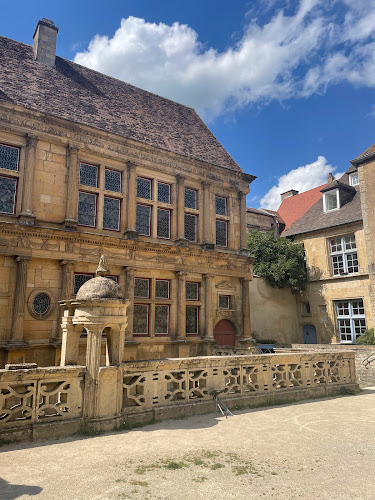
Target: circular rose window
[[41, 304]]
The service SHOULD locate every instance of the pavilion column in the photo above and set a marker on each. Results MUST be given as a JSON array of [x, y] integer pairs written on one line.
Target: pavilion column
[[246, 328], [27, 217], [181, 305], [208, 291], [70, 338], [131, 216], [93, 352], [71, 210], [243, 235], [129, 294], [67, 280], [180, 208], [207, 217], [19, 300]]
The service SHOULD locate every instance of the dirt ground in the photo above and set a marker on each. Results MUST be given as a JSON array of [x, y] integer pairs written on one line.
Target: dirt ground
[[320, 449]]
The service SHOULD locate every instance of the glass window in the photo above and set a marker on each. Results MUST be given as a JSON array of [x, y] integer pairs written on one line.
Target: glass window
[[142, 288], [220, 205], [331, 201], [224, 302], [344, 259], [80, 279], [111, 213], [192, 323], [161, 319], [144, 188], [8, 193], [192, 291], [162, 289], [112, 180], [351, 320], [164, 224], [306, 311], [190, 198], [164, 192], [140, 319], [353, 179], [221, 233], [87, 209], [143, 223], [9, 157], [41, 304], [191, 222], [88, 175]]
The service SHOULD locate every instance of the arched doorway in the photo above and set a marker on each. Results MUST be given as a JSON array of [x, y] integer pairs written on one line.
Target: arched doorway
[[224, 333]]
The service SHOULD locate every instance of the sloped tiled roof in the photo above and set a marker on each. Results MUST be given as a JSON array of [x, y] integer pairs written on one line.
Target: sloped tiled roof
[[316, 219], [84, 96], [292, 208], [368, 152]]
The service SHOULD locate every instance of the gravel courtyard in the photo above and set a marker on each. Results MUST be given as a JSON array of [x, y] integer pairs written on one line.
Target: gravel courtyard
[[317, 449]]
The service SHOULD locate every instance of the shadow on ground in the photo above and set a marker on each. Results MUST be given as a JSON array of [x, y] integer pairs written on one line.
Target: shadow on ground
[[11, 491]]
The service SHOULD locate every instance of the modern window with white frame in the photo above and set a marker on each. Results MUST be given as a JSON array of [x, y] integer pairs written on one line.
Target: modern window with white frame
[[331, 200], [353, 179], [351, 320], [343, 255], [9, 163]]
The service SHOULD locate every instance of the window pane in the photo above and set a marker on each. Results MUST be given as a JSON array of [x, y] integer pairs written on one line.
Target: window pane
[[164, 223], [190, 198], [79, 280], [41, 304], [343, 309], [359, 326], [140, 319], [161, 319], [162, 289], [9, 157], [191, 227], [192, 291], [352, 262], [112, 180], [331, 201], [350, 242], [337, 264], [8, 190], [144, 188], [111, 214], [192, 320], [143, 224], [221, 205], [336, 245], [358, 308], [164, 192], [88, 175], [87, 209], [221, 233], [141, 288], [224, 302], [345, 330]]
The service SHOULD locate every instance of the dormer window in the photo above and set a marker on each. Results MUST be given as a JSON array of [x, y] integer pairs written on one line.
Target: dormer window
[[353, 179], [331, 200]]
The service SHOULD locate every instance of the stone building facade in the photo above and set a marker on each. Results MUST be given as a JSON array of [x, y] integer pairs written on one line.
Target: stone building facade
[[92, 166]]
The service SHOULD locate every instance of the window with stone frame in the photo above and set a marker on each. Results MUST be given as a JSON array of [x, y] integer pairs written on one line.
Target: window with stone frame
[[162, 289], [141, 319], [191, 290], [161, 319], [113, 180], [224, 302], [164, 192], [143, 220], [221, 233], [351, 320], [191, 198], [9, 162], [343, 255], [142, 288], [144, 188], [164, 224], [192, 320], [88, 175], [191, 225], [220, 205]]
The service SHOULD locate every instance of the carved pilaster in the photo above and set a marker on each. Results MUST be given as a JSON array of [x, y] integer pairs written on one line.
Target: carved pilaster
[[67, 278], [246, 328], [181, 210], [207, 217], [70, 221], [181, 304], [243, 234], [27, 217], [208, 292], [19, 301], [131, 207], [129, 294]]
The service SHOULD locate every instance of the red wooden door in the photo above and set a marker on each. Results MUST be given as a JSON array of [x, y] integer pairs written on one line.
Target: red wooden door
[[224, 333]]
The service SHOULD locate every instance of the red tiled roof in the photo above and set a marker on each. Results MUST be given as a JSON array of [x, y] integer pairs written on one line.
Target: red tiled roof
[[292, 208]]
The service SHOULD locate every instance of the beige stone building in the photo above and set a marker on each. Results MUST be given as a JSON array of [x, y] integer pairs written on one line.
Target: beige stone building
[[93, 166], [336, 306]]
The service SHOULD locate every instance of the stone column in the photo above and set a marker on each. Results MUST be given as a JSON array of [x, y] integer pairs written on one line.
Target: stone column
[[207, 217], [19, 301], [129, 294], [180, 209], [70, 338], [27, 217], [131, 216], [243, 235], [93, 352], [246, 328], [66, 285], [181, 305], [208, 327], [71, 211]]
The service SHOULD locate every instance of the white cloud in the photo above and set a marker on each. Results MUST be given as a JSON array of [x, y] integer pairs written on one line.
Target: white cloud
[[288, 56], [301, 179]]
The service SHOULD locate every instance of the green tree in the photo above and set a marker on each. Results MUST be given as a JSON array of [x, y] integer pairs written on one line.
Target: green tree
[[278, 260]]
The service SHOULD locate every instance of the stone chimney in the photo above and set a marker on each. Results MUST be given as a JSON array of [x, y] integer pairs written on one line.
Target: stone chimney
[[287, 194], [45, 42], [330, 178]]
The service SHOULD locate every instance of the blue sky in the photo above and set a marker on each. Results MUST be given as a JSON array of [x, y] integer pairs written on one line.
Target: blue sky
[[288, 87]]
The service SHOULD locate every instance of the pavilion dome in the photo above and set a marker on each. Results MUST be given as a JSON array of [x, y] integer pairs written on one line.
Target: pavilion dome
[[100, 288]]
